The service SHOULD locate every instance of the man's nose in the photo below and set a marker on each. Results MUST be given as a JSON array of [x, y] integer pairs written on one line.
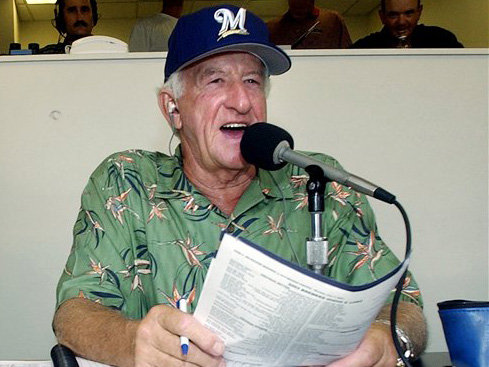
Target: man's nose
[[238, 97], [403, 19]]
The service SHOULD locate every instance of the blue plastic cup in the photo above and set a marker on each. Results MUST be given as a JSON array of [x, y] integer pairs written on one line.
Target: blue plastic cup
[[466, 327]]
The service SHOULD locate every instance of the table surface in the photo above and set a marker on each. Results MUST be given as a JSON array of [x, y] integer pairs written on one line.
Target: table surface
[[434, 360], [426, 360]]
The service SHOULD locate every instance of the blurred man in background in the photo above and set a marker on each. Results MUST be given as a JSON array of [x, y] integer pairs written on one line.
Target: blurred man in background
[[401, 29], [152, 33], [306, 26], [73, 19]]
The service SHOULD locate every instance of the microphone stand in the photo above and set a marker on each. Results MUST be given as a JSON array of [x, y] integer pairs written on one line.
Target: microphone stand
[[317, 244]]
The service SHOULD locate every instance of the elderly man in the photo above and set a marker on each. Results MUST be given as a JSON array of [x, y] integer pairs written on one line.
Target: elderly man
[[150, 223], [401, 30]]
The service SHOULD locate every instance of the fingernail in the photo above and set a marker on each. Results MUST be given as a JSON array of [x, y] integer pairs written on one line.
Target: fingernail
[[218, 348]]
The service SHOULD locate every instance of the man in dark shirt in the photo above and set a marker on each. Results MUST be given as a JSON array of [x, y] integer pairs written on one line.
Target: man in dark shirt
[[306, 26], [401, 29], [73, 19]]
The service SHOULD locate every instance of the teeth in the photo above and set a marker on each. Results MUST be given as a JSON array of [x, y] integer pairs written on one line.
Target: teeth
[[234, 126]]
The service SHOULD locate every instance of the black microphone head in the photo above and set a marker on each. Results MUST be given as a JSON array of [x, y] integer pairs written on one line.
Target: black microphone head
[[259, 142]]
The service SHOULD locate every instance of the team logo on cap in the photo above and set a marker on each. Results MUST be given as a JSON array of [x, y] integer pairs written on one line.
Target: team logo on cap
[[231, 24]]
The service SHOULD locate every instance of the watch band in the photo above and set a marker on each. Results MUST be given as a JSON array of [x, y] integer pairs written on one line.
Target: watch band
[[404, 341]]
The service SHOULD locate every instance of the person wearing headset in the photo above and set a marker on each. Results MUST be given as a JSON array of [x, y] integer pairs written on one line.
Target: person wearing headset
[[73, 19], [150, 223]]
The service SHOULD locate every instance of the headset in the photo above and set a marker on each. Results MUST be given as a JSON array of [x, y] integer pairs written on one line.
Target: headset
[[172, 107], [59, 21]]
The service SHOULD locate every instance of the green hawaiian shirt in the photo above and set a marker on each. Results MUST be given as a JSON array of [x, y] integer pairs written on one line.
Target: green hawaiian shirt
[[145, 236]]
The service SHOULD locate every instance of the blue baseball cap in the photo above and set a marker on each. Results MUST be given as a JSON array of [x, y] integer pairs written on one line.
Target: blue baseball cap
[[221, 29]]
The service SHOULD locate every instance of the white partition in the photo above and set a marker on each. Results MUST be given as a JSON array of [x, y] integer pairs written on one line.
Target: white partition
[[414, 122]]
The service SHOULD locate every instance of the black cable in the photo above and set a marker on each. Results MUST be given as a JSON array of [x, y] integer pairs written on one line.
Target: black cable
[[397, 294]]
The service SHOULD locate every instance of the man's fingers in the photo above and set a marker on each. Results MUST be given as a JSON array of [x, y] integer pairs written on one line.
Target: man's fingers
[[158, 340], [181, 324], [157, 358]]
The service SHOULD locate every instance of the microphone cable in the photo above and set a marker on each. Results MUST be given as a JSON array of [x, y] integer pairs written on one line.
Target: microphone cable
[[397, 294]]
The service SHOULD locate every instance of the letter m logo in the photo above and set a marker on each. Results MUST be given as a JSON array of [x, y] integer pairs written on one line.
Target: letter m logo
[[230, 23]]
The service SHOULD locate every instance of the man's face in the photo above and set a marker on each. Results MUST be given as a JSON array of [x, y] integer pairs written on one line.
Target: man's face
[[222, 95], [78, 18], [401, 16], [300, 9]]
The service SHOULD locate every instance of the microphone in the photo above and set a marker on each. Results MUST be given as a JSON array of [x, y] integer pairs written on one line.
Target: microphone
[[270, 147], [304, 35]]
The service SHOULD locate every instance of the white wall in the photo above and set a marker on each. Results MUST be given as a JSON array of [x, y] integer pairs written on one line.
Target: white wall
[[415, 123]]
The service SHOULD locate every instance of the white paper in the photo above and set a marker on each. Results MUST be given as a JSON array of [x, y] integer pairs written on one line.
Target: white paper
[[82, 362], [272, 313], [26, 364]]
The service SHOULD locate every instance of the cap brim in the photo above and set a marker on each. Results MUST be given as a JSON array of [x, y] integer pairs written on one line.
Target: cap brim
[[276, 61]]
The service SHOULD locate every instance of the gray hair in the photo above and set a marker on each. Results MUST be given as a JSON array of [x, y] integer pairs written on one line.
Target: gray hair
[[175, 84]]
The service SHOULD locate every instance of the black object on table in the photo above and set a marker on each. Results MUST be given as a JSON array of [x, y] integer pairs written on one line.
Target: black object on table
[[63, 356], [438, 359]]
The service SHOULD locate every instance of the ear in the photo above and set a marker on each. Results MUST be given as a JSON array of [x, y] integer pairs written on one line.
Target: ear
[[382, 16], [165, 100]]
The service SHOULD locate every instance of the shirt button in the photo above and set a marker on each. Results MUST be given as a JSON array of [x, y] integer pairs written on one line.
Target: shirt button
[[230, 229]]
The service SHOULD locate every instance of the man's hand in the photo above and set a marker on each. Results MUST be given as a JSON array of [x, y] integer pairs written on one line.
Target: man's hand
[[157, 340], [376, 350], [102, 334]]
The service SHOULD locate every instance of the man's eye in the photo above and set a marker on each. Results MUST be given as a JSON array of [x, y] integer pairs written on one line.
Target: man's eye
[[216, 81], [252, 81]]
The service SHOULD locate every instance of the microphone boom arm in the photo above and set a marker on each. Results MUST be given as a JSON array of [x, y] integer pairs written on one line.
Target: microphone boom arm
[[283, 153]]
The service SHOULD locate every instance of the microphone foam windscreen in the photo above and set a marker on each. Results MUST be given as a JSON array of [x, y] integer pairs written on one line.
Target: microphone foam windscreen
[[259, 142]]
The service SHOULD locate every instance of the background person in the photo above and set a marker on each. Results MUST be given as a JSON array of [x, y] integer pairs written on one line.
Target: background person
[[150, 223], [298, 27], [401, 29], [152, 33], [73, 19]]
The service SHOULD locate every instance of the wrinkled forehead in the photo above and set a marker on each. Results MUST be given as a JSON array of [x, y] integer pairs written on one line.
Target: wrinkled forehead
[[246, 62]]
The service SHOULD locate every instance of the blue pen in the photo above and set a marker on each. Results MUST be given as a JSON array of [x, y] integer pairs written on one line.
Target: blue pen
[[182, 306]]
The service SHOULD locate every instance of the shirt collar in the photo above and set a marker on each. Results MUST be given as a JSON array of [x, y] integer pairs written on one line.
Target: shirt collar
[[172, 183]]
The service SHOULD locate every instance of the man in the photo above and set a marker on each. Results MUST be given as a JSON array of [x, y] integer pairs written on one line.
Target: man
[[152, 33], [150, 224], [401, 30], [306, 26], [73, 19]]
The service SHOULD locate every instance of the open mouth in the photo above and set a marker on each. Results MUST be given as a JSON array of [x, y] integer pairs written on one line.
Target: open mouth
[[234, 127]]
